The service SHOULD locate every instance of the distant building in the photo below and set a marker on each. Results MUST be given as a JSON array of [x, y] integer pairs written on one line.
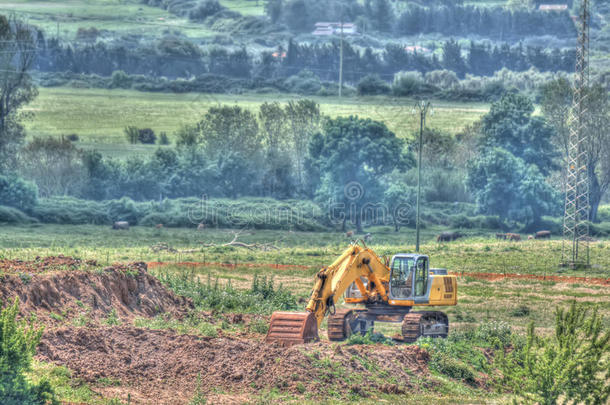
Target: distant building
[[553, 7], [416, 49], [334, 28]]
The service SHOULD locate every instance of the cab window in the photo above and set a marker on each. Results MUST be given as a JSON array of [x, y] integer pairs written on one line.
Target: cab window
[[401, 278]]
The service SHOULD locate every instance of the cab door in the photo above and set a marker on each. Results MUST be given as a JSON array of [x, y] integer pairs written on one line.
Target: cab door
[[420, 282]]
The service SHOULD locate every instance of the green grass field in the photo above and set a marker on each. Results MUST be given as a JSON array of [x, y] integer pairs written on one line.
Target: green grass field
[[119, 16], [480, 252], [99, 116]]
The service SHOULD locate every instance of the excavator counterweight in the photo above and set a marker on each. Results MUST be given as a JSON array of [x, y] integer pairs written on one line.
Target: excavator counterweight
[[388, 293]]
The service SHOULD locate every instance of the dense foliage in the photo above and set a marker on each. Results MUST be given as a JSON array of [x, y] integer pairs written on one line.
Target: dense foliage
[[569, 367], [18, 341]]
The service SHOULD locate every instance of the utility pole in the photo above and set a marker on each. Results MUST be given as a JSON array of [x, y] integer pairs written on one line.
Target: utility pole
[[341, 56], [423, 107]]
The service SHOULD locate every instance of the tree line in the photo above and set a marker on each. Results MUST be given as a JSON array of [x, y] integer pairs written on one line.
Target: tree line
[[177, 58], [447, 18]]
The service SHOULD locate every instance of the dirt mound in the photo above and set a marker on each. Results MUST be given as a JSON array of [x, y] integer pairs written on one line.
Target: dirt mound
[[92, 295], [45, 265], [162, 367]]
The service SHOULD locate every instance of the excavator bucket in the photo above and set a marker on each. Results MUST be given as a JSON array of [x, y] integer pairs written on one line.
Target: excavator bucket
[[292, 328]]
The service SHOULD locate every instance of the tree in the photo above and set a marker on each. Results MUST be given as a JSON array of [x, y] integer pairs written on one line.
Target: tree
[[353, 154], [556, 105], [399, 200], [277, 179], [304, 120], [505, 185], [18, 341], [228, 129], [17, 54], [54, 164], [570, 367], [510, 125]]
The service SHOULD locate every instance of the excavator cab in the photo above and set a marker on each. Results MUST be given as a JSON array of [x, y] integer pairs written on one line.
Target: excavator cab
[[409, 277]]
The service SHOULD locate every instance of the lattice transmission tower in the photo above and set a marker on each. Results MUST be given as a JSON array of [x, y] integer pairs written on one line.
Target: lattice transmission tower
[[575, 250]]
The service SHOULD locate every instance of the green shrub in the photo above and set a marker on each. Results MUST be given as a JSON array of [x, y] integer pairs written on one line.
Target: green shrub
[[372, 85], [10, 215], [520, 311], [163, 139], [262, 298], [305, 82], [407, 83], [452, 367], [572, 364], [18, 341], [369, 338], [18, 193], [147, 136]]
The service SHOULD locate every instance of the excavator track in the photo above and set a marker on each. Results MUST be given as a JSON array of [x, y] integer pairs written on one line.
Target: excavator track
[[424, 323], [338, 324]]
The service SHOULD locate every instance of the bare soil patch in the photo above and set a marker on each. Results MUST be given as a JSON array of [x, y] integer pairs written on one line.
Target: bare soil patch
[[127, 289], [162, 367]]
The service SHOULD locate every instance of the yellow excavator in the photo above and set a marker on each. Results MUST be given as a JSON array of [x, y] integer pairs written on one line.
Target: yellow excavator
[[386, 291]]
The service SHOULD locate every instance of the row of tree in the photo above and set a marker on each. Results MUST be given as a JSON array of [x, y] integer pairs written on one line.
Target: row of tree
[[186, 60], [449, 18]]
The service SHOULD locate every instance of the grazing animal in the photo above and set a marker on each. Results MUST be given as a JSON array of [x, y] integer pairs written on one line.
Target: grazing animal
[[159, 226], [530, 237], [121, 225], [501, 236], [448, 236], [543, 235], [201, 226], [513, 236], [367, 237], [349, 234]]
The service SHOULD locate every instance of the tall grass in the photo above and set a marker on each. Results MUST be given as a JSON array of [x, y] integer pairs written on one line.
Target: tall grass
[[263, 297]]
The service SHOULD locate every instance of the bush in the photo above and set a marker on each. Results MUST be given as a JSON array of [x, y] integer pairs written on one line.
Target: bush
[[131, 133], [147, 136], [306, 82], [18, 193], [571, 364], [163, 139], [372, 85], [407, 83], [18, 341], [205, 9], [262, 298], [10, 215]]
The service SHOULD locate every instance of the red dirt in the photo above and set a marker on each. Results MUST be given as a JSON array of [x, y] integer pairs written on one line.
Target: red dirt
[[484, 276], [162, 367], [128, 289]]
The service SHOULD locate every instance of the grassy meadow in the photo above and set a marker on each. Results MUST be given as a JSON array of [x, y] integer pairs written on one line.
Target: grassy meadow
[[98, 116], [479, 252]]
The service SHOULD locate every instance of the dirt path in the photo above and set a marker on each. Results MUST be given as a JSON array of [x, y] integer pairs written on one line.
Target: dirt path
[[483, 276]]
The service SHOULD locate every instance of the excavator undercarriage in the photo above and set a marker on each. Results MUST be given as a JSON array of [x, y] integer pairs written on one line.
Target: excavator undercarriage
[[383, 294]]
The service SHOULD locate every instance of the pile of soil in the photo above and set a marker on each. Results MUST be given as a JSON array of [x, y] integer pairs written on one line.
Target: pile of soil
[[44, 265], [127, 289], [161, 367]]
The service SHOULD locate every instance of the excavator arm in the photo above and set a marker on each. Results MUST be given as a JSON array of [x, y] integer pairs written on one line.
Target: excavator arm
[[356, 263]]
